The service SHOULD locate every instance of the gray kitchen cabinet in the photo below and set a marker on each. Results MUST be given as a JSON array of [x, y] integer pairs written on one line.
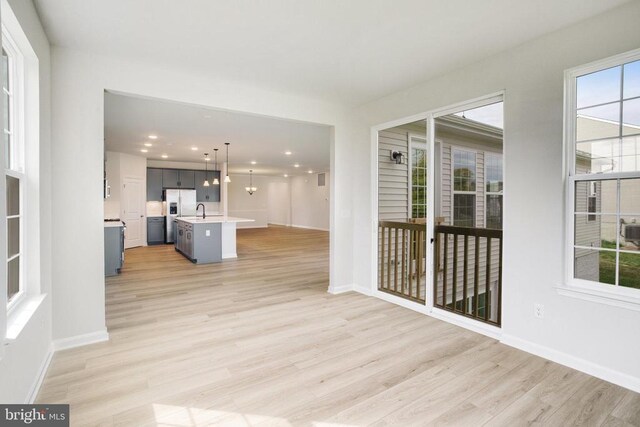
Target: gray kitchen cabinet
[[210, 193], [186, 178], [170, 178], [155, 230], [113, 249], [201, 243], [178, 178], [154, 185], [214, 190]]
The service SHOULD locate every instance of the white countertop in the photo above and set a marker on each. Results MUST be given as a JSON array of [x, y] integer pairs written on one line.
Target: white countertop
[[113, 224], [213, 219]]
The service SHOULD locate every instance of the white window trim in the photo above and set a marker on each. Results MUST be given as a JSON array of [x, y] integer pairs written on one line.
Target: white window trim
[[487, 154], [618, 296], [454, 192], [420, 145], [17, 95]]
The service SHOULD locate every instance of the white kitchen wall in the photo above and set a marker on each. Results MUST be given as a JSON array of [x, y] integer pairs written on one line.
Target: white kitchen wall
[[310, 202], [24, 358], [244, 205], [597, 338], [112, 168], [118, 167], [279, 196]]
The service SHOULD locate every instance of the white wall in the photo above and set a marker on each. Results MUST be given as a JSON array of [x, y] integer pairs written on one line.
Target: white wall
[[112, 168], [601, 339], [279, 195], [24, 358], [79, 81], [309, 202], [244, 205]]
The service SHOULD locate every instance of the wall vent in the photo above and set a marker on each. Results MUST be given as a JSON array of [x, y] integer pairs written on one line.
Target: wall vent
[[321, 179]]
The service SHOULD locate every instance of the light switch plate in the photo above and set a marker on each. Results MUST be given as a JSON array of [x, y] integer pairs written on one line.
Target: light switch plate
[[207, 233]]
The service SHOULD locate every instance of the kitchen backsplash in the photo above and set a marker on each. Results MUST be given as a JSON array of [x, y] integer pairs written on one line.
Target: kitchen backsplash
[[155, 209], [159, 209]]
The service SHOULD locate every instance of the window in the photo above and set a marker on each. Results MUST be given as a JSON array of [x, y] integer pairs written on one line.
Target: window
[[418, 177], [464, 188], [603, 141], [493, 190], [14, 167]]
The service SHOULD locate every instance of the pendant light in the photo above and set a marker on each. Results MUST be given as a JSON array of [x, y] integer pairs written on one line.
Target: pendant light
[[206, 174], [215, 176], [226, 178], [251, 189]]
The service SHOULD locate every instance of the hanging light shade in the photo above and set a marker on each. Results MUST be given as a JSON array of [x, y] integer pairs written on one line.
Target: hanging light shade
[[215, 176], [226, 178], [206, 170], [251, 189]]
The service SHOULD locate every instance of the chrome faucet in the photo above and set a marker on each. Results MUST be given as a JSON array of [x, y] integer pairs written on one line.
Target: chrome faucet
[[204, 215]]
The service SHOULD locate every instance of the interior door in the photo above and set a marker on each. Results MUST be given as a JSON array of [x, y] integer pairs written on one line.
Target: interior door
[[133, 212]]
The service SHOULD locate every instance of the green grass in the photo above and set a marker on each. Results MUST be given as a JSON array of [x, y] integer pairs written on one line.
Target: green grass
[[629, 267]]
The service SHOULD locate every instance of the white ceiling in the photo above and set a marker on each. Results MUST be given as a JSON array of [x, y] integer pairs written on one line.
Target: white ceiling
[[346, 51], [130, 120]]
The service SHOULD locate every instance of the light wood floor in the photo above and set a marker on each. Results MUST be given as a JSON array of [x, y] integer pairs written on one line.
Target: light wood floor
[[259, 341]]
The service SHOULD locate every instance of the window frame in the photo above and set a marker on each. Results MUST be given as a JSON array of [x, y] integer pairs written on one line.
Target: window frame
[[500, 156], [453, 186], [422, 146], [17, 167], [571, 286]]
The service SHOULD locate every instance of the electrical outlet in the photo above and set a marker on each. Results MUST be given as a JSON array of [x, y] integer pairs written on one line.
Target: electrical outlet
[[538, 310], [207, 233]]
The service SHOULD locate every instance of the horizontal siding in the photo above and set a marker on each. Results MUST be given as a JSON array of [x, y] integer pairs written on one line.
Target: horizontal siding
[[393, 185]]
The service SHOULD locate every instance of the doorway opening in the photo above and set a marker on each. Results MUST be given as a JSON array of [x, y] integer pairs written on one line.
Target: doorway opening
[[467, 262], [440, 210]]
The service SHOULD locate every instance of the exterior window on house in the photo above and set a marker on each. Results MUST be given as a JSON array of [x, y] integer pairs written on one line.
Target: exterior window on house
[[603, 118], [14, 171], [464, 188], [418, 178], [494, 184]]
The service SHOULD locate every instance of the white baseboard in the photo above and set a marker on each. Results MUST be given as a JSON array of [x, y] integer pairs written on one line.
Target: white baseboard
[[340, 289], [42, 372], [362, 289], [593, 369], [80, 340], [464, 322], [279, 223], [309, 228], [229, 255]]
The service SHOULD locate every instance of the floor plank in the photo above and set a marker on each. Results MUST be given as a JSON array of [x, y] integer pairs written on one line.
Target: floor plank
[[258, 341]]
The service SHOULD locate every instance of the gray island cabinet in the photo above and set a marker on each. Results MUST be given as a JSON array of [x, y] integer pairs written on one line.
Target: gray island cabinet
[[200, 242]]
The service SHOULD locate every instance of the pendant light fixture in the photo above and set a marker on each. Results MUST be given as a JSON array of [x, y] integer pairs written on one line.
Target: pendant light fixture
[[206, 171], [226, 178], [215, 175], [251, 189]]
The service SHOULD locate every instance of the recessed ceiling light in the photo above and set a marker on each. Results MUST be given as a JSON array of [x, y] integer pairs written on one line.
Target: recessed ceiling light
[[164, 156], [253, 162], [296, 165], [144, 150], [148, 144], [288, 153], [194, 148], [310, 171], [153, 136], [286, 176]]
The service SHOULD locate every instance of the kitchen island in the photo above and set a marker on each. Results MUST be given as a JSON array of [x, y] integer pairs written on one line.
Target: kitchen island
[[207, 240]]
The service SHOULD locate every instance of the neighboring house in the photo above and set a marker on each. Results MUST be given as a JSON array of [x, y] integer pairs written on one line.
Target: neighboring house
[[469, 187]]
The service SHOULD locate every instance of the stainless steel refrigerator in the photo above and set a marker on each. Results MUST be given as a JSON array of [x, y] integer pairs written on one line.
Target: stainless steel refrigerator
[[179, 203]]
